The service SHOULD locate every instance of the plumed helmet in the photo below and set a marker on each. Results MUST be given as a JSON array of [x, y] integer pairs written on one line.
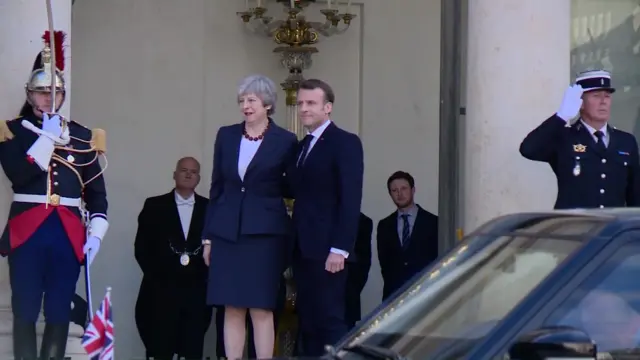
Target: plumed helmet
[[43, 69]]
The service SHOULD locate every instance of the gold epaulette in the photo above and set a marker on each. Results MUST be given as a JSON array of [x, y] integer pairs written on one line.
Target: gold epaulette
[[5, 133], [99, 140]]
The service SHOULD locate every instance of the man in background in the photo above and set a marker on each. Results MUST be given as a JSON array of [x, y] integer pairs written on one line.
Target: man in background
[[358, 271], [171, 312], [408, 238]]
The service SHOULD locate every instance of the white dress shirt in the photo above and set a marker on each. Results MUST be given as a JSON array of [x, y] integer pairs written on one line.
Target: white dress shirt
[[317, 133], [248, 150], [592, 130], [185, 210]]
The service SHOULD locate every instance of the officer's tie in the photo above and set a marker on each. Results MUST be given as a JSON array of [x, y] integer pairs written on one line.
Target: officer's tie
[[600, 142], [405, 230], [305, 149]]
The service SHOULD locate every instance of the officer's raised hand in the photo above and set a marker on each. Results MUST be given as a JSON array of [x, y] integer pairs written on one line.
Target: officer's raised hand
[[53, 128], [52, 124], [571, 103]]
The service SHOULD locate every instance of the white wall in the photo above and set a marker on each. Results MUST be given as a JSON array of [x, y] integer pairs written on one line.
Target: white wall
[[160, 76]]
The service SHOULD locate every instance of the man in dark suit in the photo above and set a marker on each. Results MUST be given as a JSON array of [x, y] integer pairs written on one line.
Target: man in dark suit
[[408, 238], [358, 271], [596, 165], [171, 312], [327, 185]]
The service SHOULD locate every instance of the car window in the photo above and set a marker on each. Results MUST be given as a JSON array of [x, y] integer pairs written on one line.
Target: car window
[[607, 304]]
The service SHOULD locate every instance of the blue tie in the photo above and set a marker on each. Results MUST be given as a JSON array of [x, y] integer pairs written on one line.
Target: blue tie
[[405, 229], [304, 145]]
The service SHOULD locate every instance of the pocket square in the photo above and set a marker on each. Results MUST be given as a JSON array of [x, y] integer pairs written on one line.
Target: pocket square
[[623, 153]]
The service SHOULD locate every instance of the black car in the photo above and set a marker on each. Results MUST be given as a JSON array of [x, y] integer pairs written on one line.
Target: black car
[[556, 285]]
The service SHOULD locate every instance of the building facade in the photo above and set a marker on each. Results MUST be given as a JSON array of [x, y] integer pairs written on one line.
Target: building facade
[[443, 89]]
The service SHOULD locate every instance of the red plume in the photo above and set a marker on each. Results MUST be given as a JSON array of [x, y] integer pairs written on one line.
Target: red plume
[[59, 37]]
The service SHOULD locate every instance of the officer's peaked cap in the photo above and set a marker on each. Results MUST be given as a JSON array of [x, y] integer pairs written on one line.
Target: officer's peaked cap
[[595, 80]]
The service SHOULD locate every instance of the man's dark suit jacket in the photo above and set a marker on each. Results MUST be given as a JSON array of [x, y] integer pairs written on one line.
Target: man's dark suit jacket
[[397, 263], [328, 194], [358, 270], [165, 281]]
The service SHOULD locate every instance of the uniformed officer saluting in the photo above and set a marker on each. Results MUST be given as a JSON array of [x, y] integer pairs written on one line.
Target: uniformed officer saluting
[[596, 165], [54, 171]]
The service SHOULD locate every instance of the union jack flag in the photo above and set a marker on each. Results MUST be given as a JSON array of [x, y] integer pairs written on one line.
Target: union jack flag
[[98, 338]]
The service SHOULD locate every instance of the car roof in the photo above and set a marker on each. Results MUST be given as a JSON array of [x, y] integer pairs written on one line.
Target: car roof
[[556, 222]]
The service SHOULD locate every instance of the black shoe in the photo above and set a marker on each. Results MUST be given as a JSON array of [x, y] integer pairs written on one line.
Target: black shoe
[[24, 340], [54, 341]]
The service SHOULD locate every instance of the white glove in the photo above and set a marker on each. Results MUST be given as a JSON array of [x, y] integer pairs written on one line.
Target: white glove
[[52, 125], [571, 103], [91, 248]]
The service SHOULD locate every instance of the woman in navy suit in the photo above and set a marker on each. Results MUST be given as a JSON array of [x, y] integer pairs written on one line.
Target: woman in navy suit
[[247, 226]]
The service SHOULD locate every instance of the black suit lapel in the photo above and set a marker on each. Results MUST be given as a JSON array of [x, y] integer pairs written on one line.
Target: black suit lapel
[[393, 232], [586, 138], [269, 144], [199, 208], [175, 224], [417, 228], [321, 143]]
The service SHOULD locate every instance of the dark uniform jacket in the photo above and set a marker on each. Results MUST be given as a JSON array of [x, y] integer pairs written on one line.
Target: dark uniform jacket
[[27, 178], [587, 176]]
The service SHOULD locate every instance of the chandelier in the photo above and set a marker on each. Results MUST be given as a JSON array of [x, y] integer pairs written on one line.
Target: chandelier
[[295, 36]]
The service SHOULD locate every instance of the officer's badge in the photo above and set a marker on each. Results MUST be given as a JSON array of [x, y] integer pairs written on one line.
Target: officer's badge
[[579, 148]]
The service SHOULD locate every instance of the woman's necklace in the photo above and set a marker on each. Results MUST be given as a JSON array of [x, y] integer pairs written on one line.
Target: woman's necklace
[[251, 138]]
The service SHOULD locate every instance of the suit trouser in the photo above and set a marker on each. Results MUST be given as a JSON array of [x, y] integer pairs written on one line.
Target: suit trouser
[[321, 305], [44, 266], [181, 324]]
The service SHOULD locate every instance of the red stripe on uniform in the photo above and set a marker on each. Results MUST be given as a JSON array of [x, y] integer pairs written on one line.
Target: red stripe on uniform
[[25, 224], [75, 230]]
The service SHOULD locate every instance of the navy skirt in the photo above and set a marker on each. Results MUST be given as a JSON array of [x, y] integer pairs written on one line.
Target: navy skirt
[[246, 273]]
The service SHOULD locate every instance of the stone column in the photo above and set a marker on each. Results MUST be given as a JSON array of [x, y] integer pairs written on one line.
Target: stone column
[[23, 23], [517, 70]]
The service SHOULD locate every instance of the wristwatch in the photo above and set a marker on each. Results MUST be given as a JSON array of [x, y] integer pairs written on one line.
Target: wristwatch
[[206, 242]]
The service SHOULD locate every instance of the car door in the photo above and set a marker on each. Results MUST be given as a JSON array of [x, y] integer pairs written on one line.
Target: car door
[[603, 300]]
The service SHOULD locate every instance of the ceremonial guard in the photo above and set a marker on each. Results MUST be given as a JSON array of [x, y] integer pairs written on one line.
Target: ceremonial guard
[[58, 216], [596, 165]]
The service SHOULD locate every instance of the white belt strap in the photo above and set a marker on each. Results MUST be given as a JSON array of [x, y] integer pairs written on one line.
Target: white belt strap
[[54, 200]]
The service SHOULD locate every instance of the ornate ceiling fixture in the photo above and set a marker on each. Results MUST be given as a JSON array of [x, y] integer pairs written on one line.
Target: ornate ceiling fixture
[[295, 37]]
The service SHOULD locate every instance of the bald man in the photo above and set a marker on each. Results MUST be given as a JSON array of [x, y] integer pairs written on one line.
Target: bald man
[[171, 312]]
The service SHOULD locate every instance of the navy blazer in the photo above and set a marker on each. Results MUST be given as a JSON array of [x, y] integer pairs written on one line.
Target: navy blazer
[[328, 194], [400, 263], [254, 206], [587, 177]]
